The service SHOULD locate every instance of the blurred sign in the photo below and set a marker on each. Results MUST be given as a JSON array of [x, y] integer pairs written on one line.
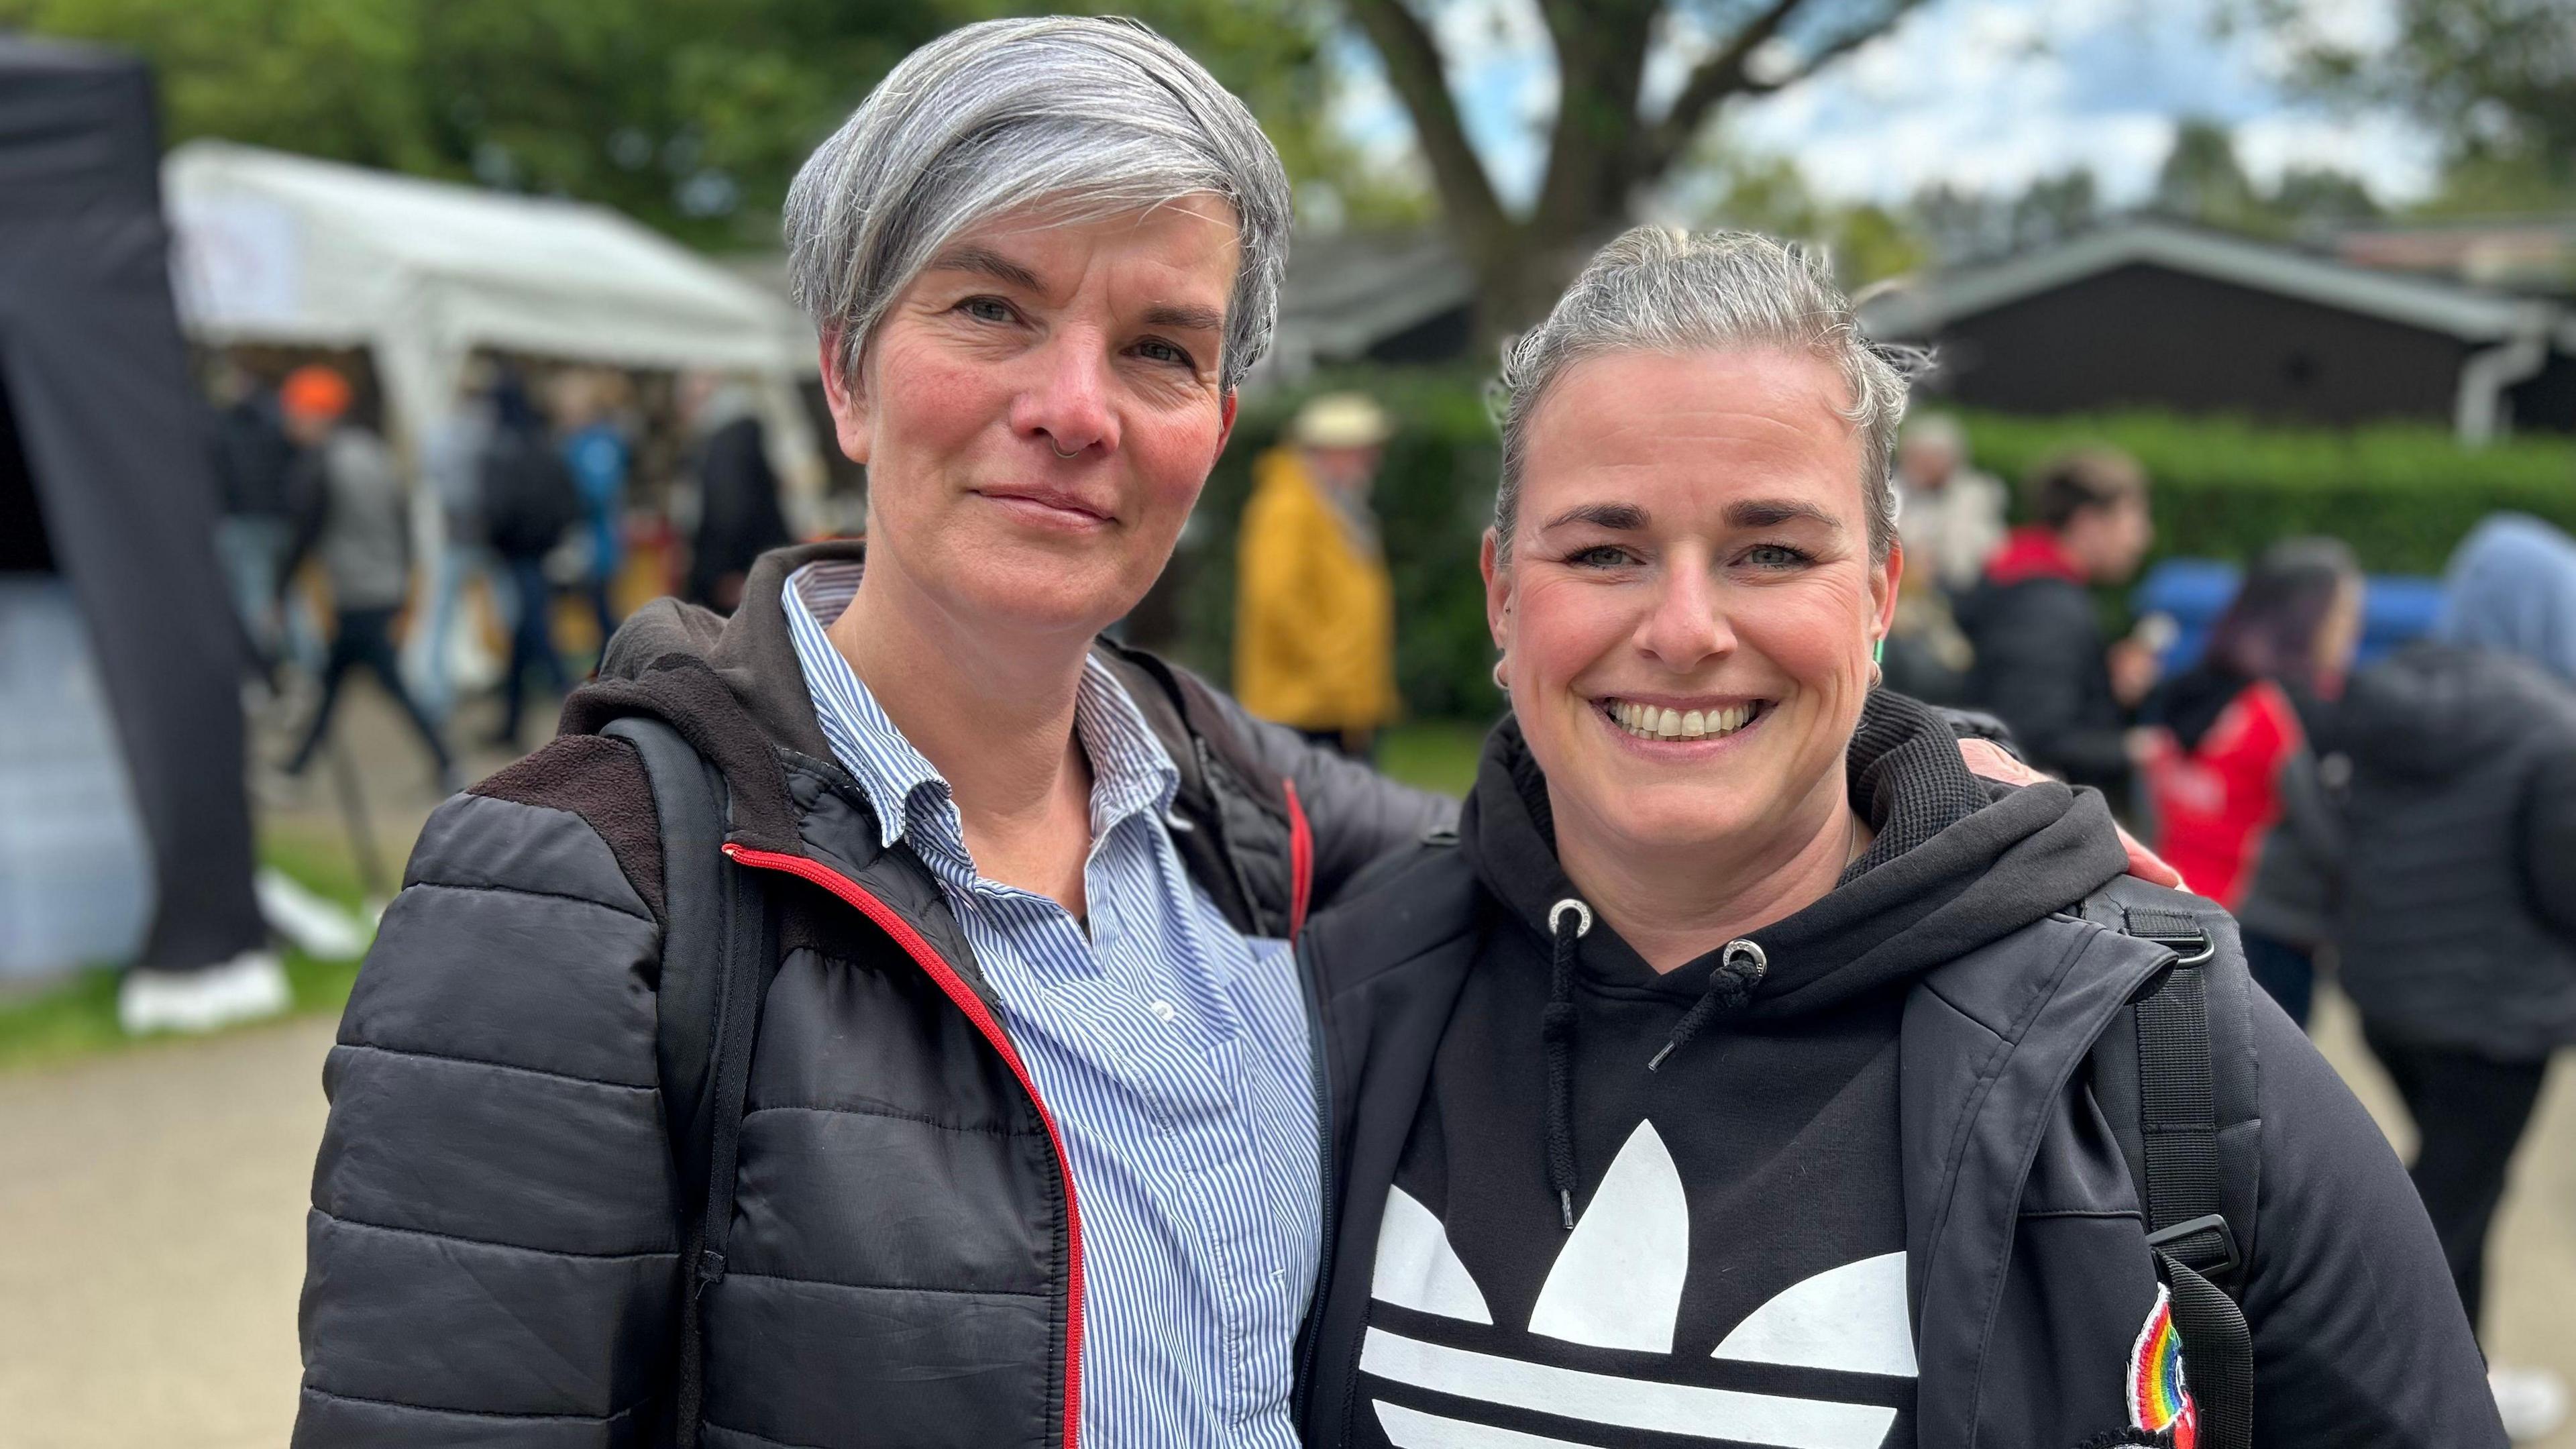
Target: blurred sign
[[237, 261]]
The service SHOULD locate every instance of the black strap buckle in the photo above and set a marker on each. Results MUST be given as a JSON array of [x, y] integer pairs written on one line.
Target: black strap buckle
[[2205, 1245], [2194, 949]]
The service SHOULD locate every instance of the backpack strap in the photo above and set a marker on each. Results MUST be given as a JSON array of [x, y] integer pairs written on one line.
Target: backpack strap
[[2185, 1182], [717, 953]]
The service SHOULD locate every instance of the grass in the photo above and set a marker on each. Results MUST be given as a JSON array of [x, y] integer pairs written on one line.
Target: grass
[[77, 1017], [1434, 754]]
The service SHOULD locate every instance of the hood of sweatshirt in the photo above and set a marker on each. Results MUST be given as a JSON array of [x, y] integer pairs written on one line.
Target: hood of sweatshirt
[[2032, 552], [1957, 863]]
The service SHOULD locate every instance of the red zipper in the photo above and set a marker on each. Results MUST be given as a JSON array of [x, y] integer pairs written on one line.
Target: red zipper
[[1301, 861], [927, 957]]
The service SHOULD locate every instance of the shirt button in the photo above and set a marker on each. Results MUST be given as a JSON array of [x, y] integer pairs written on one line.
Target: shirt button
[[1170, 1014]]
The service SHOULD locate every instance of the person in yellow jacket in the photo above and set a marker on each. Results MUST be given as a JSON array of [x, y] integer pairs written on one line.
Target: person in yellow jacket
[[1314, 624]]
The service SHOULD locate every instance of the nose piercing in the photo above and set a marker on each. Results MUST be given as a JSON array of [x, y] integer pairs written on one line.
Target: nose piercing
[[1061, 453]]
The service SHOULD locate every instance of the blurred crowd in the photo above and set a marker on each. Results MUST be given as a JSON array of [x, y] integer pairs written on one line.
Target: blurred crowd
[[531, 482], [2362, 818]]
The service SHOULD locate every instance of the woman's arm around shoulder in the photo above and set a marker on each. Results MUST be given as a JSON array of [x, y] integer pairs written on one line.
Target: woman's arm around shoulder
[[492, 1248]]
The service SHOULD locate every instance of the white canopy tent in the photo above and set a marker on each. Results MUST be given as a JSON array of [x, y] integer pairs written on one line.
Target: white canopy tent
[[273, 248]]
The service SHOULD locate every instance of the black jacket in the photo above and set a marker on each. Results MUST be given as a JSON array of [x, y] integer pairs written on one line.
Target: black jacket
[[739, 515], [2041, 668], [2027, 1267], [2457, 924], [493, 1246], [253, 456]]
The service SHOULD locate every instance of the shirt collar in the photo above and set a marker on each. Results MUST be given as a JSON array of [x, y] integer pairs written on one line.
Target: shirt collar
[[1130, 770]]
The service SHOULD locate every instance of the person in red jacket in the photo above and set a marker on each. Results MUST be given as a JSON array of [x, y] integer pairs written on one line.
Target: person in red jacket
[[2231, 733]]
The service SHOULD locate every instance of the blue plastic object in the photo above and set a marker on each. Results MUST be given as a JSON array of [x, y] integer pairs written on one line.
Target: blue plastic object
[[76, 882], [2396, 609]]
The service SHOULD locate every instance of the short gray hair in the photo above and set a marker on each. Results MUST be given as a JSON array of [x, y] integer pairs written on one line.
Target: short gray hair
[[1089, 117], [1663, 290]]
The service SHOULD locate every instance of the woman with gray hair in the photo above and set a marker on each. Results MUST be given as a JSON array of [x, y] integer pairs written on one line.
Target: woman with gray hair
[[945, 1080], [1744, 1070], [942, 1079]]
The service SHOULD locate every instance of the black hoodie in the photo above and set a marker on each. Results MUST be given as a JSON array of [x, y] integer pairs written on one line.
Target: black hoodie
[[1864, 1197], [1785, 1094], [2458, 915]]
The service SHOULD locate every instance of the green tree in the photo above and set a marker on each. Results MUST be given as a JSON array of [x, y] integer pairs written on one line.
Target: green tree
[[2054, 208], [692, 118], [2495, 79], [2310, 197], [2202, 181], [1959, 226], [1768, 193], [641, 104], [1605, 144]]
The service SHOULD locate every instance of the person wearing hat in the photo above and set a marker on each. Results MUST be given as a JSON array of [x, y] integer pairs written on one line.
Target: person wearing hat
[[1950, 516], [1314, 624], [350, 509]]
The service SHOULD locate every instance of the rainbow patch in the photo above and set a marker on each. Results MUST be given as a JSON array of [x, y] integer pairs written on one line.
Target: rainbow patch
[[2159, 1400]]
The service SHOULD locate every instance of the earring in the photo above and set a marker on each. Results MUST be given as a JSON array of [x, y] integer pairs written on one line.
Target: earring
[[1877, 661], [1501, 681]]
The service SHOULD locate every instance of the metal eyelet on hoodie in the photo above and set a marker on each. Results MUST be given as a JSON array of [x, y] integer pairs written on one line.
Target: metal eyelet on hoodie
[[1568, 921], [1741, 965]]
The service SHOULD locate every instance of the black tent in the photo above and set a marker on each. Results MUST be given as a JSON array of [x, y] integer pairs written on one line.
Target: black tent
[[113, 454]]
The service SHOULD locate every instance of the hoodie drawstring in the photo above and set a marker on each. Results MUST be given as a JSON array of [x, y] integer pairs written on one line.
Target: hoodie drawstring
[[1740, 967], [1569, 920]]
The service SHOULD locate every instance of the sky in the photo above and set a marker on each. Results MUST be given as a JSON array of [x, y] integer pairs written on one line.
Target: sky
[[1984, 94]]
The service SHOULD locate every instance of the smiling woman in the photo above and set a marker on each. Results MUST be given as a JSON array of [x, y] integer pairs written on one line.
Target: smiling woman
[[1748, 1070], [1015, 1140], [1693, 557]]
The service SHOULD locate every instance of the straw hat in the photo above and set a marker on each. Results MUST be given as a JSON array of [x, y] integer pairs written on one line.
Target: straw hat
[[1340, 420]]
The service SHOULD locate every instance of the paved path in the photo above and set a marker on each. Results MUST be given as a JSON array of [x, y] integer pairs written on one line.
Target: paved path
[[151, 1243], [2531, 1263], [152, 1239]]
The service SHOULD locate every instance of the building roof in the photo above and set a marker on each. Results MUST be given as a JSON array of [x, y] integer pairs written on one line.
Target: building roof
[[2531, 253], [1933, 302], [1345, 293]]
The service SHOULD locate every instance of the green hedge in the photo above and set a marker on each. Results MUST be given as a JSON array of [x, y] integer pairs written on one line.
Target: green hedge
[[2402, 496]]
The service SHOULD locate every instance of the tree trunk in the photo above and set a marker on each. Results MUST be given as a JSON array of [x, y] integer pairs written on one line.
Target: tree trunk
[[1518, 285], [1601, 150]]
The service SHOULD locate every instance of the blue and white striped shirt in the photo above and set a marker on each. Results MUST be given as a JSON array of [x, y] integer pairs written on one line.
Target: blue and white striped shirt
[[1171, 1049]]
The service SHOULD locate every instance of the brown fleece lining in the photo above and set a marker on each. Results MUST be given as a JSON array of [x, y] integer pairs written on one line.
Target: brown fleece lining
[[601, 779], [684, 693]]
